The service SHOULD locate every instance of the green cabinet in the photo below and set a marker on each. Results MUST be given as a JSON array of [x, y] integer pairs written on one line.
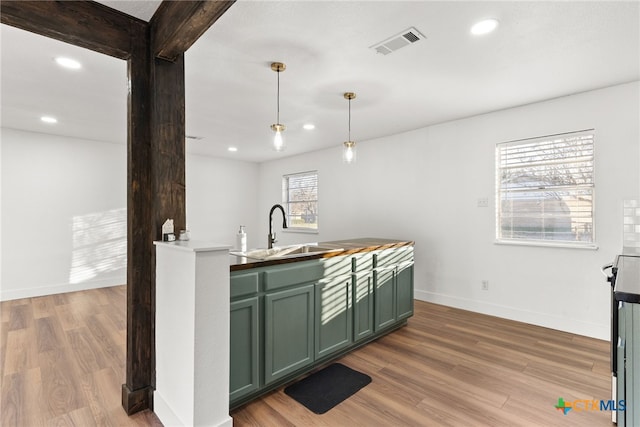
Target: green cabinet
[[393, 282], [385, 297], [404, 291], [288, 318], [244, 346], [289, 331], [333, 315], [363, 305], [245, 315]]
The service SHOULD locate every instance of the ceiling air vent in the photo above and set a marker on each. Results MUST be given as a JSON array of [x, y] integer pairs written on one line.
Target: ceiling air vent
[[405, 38]]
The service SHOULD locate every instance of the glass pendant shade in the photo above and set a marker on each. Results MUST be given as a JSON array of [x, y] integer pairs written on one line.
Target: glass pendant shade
[[349, 147], [349, 152], [278, 139], [278, 128]]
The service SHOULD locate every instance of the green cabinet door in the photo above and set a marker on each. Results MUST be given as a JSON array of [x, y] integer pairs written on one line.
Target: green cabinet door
[[244, 348], [393, 286], [363, 305], [385, 297], [404, 291], [289, 331], [333, 315]]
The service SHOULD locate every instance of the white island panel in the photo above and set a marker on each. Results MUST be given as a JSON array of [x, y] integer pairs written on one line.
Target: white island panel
[[192, 334]]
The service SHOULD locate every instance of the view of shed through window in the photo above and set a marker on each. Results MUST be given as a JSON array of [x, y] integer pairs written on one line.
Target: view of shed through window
[[545, 189], [300, 199]]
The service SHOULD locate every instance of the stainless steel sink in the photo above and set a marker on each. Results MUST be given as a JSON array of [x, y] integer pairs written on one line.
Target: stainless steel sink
[[286, 252], [257, 253]]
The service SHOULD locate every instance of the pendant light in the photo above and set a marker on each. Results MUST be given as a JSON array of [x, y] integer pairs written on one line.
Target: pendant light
[[278, 128], [349, 149]]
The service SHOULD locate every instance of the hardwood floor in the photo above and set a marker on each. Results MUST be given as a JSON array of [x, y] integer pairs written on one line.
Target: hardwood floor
[[62, 363], [450, 367]]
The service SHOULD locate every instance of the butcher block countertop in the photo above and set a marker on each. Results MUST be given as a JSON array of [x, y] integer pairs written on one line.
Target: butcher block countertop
[[348, 247]]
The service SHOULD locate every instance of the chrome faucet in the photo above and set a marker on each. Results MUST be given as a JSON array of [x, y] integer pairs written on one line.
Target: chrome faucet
[[272, 236]]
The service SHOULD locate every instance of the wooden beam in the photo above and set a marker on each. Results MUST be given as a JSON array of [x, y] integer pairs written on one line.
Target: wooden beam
[[81, 23], [168, 149], [155, 141], [137, 392], [156, 182], [176, 25]]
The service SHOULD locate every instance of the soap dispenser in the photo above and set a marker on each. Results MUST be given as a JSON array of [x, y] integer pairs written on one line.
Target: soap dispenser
[[241, 240]]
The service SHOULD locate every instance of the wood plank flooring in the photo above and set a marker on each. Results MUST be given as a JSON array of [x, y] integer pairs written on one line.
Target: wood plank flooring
[[450, 367], [62, 363]]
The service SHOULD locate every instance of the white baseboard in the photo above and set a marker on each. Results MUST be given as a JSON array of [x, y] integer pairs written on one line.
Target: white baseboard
[[227, 422], [546, 320], [164, 412], [6, 295], [168, 417]]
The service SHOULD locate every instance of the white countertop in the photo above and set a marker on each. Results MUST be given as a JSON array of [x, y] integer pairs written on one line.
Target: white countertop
[[194, 245]]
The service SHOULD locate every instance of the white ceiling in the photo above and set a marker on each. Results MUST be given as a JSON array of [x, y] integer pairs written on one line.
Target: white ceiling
[[541, 50]]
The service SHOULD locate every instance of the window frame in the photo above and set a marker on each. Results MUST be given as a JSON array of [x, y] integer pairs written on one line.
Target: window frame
[[287, 204], [591, 186]]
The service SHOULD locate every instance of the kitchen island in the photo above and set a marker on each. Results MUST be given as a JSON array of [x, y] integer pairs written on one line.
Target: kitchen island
[[290, 315]]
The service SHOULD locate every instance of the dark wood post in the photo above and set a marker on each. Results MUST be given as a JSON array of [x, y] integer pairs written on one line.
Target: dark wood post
[[168, 130], [137, 392], [155, 140], [156, 192]]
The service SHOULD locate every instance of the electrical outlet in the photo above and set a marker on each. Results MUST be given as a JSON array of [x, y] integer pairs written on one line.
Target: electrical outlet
[[483, 202], [485, 285]]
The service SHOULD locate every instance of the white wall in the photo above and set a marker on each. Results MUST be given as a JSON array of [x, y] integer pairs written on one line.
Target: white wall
[[1, 169], [222, 195], [64, 202], [63, 209], [63, 214], [424, 185]]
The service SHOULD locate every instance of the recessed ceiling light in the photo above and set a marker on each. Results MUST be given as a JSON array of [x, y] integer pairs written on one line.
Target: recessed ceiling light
[[49, 119], [232, 149], [72, 64], [484, 27], [309, 126]]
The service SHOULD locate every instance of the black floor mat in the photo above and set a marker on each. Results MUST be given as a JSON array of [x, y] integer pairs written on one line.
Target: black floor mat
[[324, 389]]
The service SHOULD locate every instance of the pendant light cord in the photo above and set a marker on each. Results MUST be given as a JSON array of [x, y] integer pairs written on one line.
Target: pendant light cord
[[349, 119], [278, 98]]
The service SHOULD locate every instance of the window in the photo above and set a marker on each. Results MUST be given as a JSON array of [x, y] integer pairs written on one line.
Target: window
[[300, 198], [545, 189]]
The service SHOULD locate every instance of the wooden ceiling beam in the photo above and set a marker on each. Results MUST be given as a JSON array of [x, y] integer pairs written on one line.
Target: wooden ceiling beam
[[81, 23], [176, 25]]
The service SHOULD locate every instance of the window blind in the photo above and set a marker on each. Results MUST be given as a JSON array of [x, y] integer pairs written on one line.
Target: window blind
[[545, 189], [300, 194]]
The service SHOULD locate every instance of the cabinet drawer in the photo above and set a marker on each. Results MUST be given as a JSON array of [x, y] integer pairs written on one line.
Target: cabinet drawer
[[394, 256], [363, 262], [244, 284], [293, 274], [337, 266]]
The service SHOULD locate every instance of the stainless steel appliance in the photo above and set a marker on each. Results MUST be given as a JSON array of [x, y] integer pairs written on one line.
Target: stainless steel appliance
[[625, 338]]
